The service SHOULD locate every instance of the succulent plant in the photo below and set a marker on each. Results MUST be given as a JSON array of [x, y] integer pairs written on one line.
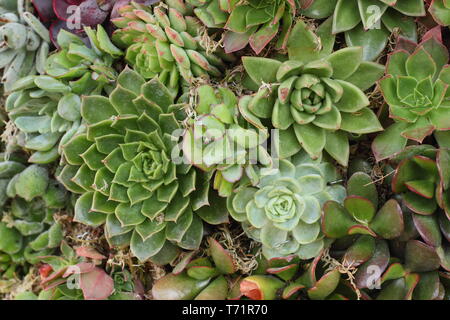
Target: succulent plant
[[205, 278], [24, 42], [166, 43], [122, 167], [316, 97], [46, 108], [286, 278], [28, 201], [440, 10], [74, 275], [421, 177], [370, 23], [283, 210], [359, 213], [72, 15], [219, 139], [253, 22], [418, 98]]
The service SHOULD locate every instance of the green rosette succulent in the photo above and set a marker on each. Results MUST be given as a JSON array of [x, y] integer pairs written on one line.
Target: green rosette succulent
[[422, 179], [369, 23], [25, 42], [315, 98], [418, 97], [219, 139], [46, 108], [29, 199], [253, 22], [166, 42], [205, 278], [283, 211], [123, 168]]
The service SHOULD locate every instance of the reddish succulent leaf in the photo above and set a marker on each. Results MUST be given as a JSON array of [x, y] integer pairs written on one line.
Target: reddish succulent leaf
[[216, 290], [292, 289], [379, 259], [360, 229], [388, 223], [260, 287], [394, 271], [428, 228], [285, 273], [44, 9], [88, 252], [420, 257], [183, 262], [325, 286], [96, 284], [221, 257], [358, 253], [177, 287], [79, 268]]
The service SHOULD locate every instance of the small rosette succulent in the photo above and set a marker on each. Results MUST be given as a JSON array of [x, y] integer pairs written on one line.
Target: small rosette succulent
[[219, 139], [25, 42], [166, 43], [416, 89], [315, 99], [207, 278], [283, 211], [422, 179], [123, 169], [28, 202], [369, 23], [46, 108], [254, 22]]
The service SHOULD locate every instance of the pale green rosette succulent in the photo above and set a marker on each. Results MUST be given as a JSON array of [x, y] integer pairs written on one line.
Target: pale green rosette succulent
[[283, 212]]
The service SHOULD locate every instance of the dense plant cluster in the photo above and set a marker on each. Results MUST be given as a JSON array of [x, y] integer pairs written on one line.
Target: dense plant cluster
[[214, 149]]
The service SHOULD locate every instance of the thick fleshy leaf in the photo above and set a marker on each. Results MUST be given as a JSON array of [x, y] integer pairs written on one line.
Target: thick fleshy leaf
[[177, 287], [420, 257]]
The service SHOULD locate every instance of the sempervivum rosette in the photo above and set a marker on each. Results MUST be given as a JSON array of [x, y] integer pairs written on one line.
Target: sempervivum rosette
[[123, 169], [283, 212], [315, 98]]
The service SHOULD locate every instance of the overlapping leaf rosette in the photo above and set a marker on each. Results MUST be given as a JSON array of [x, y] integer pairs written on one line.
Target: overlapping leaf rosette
[[205, 278], [219, 139], [28, 201], [123, 168], [46, 108], [255, 22], [369, 23], [416, 89], [166, 41], [283, 211], [315, 98], [24, 43]]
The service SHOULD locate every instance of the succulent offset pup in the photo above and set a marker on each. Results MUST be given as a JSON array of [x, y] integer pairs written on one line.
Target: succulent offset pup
[[166, 41], [283, 211], [253, 22], [123, 169], [46, 108], [24, 42], [418, 97], [219, 139], [369, 23], [316, 97]]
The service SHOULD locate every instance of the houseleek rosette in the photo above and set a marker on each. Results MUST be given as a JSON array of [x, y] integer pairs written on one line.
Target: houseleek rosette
[[369, 23], [220, 140], [253, 22], [46, 108], [166, 43], [418, 97], [122, 166], [283, 211], [315, 98]]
